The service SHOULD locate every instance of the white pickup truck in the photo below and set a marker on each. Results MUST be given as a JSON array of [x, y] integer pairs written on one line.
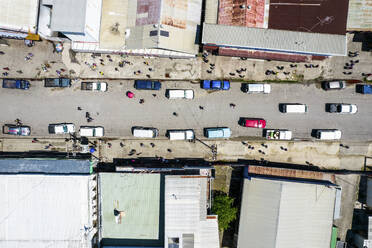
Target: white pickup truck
[[88, 131], [94, 86], [278, 134], [61, 128]]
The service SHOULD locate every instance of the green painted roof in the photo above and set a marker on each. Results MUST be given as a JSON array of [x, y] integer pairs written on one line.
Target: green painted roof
[[137, 196], [334, 237]]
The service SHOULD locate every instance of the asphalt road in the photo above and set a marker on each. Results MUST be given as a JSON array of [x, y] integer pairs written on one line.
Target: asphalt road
[[40, 106]]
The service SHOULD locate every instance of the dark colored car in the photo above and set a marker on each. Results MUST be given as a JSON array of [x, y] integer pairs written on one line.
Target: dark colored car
[[147, 85], [333, 85], [215, 85], [252, 122], [363, 88], [16, 130], [57, 82], [16, 84]]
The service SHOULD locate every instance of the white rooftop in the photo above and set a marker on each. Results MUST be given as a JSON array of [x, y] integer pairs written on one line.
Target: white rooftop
[[44, 211], [19, 15], [186, 218], [283, 214]]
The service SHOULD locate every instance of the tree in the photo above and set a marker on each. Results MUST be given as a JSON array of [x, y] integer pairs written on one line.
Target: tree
[[222, 206]]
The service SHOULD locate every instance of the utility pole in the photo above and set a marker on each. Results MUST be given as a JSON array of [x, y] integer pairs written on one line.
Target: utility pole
[[212, 147]]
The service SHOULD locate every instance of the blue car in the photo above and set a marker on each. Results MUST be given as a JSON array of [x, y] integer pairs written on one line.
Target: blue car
[[147, 85], [215, 85], [364, 88]]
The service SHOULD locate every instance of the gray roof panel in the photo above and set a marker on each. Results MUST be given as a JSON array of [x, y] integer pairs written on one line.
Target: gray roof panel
[[274, 40], [69, 16], [44, 166]]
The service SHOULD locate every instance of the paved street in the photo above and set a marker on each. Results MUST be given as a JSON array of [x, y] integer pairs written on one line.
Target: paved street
[[40, 106]]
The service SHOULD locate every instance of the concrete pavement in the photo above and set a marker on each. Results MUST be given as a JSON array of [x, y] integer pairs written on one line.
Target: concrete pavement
[[80, 65], [325, 155]]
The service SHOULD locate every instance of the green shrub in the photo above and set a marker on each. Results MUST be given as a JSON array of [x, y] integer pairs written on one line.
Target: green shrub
[[222, 206]]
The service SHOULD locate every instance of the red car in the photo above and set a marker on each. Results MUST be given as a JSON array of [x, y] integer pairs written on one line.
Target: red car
[[252, 122]]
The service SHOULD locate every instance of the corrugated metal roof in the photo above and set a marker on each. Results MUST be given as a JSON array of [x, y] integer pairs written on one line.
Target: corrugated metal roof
[[359, 15], [314, 16], [250, 13], [274, 40], [69, 16], [42, 210], [19, 15], [137, 198], [280, 214], [44, 166], [183, 206], [292, 173], [211, 11], [369, 192]]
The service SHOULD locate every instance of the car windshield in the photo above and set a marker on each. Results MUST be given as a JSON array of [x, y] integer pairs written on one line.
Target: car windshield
[[65, 128]]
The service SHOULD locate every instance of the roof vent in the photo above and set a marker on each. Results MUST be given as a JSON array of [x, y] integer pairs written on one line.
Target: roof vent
[[242, 6]]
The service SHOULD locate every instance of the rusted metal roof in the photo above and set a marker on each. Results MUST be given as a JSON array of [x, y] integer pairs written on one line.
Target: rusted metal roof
[[291, 173], [148, 12], [263, 55], [250, 13], [327, 17]]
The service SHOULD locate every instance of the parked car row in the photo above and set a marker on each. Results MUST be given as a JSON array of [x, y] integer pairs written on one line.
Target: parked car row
[[156, 85], [284, 134], [181, 134], [61, 128], [299, 108]]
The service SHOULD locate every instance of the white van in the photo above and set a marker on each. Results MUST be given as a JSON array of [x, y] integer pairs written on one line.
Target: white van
[[256, 88], [179, 94], [293, 108], [145, 132], [91, 131], [328, 134], [180, 134]]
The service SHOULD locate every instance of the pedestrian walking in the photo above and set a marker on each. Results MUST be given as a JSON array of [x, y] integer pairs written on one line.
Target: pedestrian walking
[[79, 108], [19, 71], [152, 145], [201, 107], [109, 145], [175, 114], [141, 101], [232, 105], [5, 74]]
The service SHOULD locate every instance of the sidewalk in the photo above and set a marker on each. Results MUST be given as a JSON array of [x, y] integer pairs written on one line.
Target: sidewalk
[[322, 154], [84, 65]]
